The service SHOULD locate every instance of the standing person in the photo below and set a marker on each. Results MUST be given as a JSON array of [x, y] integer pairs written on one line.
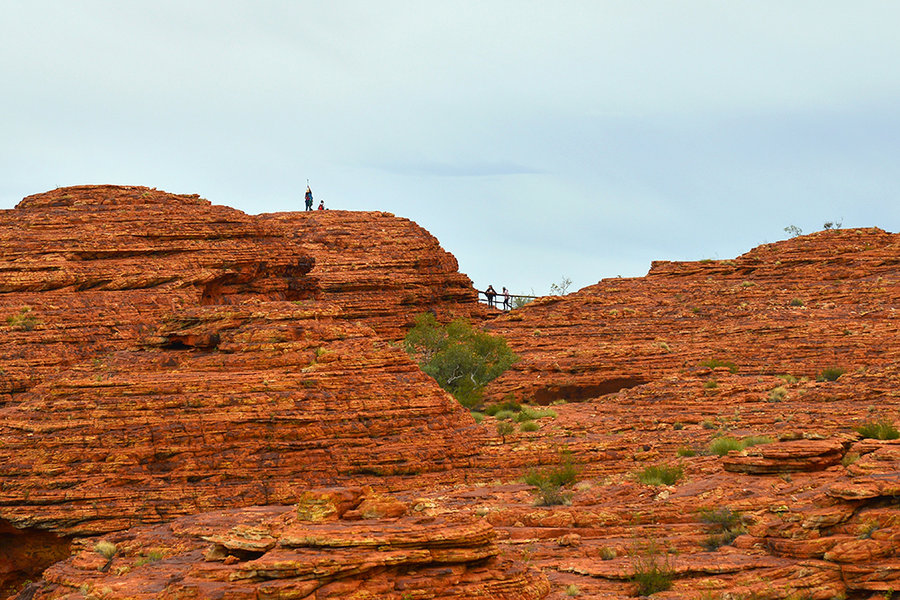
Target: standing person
[[505, 298], [490, 293], [309, 198], [321, 205]]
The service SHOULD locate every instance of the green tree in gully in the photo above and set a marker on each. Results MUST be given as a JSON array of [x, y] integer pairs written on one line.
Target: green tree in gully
[[459, 357]]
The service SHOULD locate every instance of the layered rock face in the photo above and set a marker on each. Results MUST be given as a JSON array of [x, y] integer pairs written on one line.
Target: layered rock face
[[794, 307], [164, 356], [370, 264], [223, 407], [88, 270], [339, 543]]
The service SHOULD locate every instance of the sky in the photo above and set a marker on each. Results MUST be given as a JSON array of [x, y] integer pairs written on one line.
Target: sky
[[537, 140]]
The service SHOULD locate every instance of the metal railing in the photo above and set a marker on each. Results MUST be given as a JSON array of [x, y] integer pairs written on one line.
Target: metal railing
[[501, 301]]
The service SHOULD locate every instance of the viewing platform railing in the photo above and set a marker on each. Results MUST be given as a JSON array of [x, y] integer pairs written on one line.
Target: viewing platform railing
[[499, 300]]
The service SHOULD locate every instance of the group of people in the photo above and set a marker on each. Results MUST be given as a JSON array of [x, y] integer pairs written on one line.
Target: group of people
[[309, 200], [491, 293]]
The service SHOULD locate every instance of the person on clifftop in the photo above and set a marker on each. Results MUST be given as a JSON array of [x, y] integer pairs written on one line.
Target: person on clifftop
[[321, 205], [505, 298], [490, 293], [309, 199]]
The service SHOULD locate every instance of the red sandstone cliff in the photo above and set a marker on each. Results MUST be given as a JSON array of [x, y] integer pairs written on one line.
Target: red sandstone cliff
[[165, 356], [182, 414]]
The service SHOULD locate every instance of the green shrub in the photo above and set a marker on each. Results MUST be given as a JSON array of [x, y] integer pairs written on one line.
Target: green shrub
[[725, 444], [849, 458], [686, 451], [572, 590], [660, 475], [797, 302], [715, 363], [830, 374], [607, 553], [479, 417], [529, 413], [150, 557], [510, 405], [459, 357], [778, 394], [505, 415], [710, 384], [529, 426], [22, 320], [504, 428], [878, 430], [550, 481], [723, 526], [653, 570], [105, 549], [707, 424]]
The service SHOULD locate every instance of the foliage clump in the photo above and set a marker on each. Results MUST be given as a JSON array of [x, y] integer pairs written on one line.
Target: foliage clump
[[878, 430], [653, 570], [722, 524], [459, 357], [23, 320], [714, 363], [105, 549], [551, 481], [661, 475], [725, 444], [830, 374]]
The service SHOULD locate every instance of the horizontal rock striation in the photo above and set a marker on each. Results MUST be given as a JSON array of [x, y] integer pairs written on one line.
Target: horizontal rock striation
[[279, 552], [378, 267], [794, 307], [88, 270], [224, 406]]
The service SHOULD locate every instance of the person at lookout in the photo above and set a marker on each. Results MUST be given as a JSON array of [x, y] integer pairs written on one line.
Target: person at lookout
[[505, 298], [490, 293], [309, 198], [321, 205]]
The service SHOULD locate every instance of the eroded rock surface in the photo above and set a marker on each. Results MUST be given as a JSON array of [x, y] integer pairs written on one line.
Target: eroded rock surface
[[340, 543]]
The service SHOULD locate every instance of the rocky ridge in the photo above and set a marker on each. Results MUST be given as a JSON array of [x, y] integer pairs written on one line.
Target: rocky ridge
[[643, 372]]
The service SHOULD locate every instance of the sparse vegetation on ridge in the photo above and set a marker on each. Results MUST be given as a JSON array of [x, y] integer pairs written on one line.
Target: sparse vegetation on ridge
[[661, 475], [882, 429], [551, 481], [830, 374], [653, 570], [725, 444]]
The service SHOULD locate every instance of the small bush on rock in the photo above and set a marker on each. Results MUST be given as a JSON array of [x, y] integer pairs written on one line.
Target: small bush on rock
[[661, 475], [830, 374], [653, 570], [550, 481], [725, 444], [878, 430], [459, 357]]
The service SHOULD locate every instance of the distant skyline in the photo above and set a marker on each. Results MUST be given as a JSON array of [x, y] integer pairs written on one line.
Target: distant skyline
[[535, 140]]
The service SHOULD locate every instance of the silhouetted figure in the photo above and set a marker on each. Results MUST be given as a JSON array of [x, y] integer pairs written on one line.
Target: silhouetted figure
[[505, 298], [309, 198], [490, 293]]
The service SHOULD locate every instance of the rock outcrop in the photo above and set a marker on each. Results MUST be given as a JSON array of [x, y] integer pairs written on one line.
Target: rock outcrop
[[246, 404], [175, 401], [341, 543], [88, 270], [164, 356], [795, 307]]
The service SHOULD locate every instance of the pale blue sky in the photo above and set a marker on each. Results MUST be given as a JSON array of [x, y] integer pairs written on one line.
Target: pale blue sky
[[534, 139]]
